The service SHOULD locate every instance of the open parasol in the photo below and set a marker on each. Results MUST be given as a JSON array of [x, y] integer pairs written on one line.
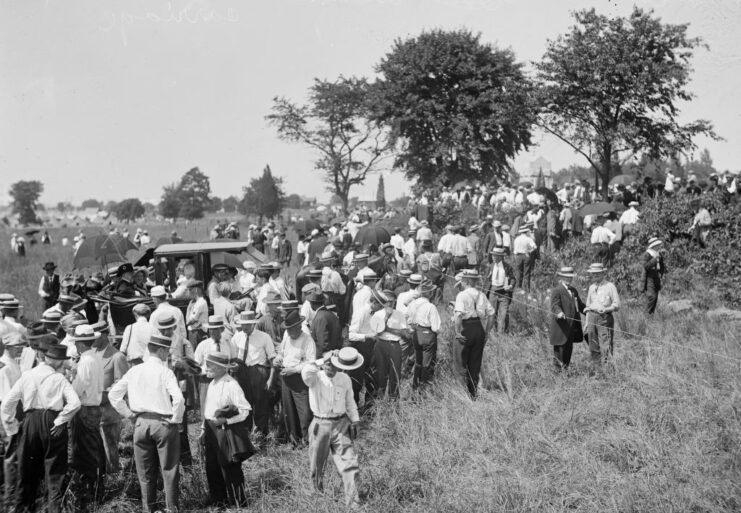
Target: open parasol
[[102, 250], [622, 180], [372, 234]]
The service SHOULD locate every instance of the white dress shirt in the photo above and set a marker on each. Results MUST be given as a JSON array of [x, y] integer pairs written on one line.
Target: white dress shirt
[[222, 393], [630, 216], [498, 275], [260, 350], [460, 246], [332, 281], [443, 245], [381, 320], [360, 323], [362, 297], [471, 303], [136, 336], [197, 313], [601, 235], [423, 313], [406, 297], [88, 382], [41, 388], [9, 374], [424, 233], [524, 245], [330, 397], [209, 346], [162, 311], [296, 352], [151, 388]]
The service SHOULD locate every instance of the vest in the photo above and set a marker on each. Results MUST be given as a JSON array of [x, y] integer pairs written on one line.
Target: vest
[[51, 286]]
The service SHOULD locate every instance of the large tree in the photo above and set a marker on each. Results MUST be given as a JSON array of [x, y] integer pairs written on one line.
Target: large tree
[[129, 209], [26, 194], [189, 198], [264, 197], [337, 124], [610, 89], [462, 108]]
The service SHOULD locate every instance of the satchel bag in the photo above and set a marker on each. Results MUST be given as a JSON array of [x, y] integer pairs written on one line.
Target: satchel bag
[[234, 443]]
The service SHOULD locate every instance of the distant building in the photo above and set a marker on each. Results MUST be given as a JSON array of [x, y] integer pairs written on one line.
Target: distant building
[[535, 168]]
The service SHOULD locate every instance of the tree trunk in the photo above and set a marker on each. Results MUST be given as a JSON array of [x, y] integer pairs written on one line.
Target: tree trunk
[[606, 165], [345, 202]]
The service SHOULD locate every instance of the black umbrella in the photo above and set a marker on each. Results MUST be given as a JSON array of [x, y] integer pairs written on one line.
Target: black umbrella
[[31, 233], [595, 209], [372, 234], [102, 250], [547, 193]]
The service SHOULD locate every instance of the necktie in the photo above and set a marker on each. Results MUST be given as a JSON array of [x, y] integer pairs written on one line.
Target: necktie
[[246, 348], [218, 347]]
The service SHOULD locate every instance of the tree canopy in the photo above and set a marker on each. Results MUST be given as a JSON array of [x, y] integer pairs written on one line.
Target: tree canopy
[[610, 89], [189, 198], [26, 194], [336, 123], [264, 197], [463, 109], [129, 209]]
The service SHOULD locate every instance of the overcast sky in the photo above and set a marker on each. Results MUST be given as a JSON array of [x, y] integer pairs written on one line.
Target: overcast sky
[[113, 99]]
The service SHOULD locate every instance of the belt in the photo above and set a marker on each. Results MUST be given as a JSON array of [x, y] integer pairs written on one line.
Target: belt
[[471, 319], [258, 365], [328, 417], [42, 410], [152, 416]]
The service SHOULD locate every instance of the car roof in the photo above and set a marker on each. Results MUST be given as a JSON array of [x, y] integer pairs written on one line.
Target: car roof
[[202, 247]]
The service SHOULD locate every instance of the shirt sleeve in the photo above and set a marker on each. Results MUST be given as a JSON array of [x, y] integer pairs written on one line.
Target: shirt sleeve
[[178, 402], [350, 407], [354, 331], [116, 396], [41, 288], [376, 323], [71, 403], [82, 377], [310, 373], [120, 367], [460, 304], [236, 395], [310, 351], [126, 339], [434, 319], [8, 408]]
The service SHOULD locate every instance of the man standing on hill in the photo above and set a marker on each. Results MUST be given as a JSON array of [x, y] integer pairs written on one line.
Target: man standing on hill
[[565, 324], [654, 269], [49, 286]]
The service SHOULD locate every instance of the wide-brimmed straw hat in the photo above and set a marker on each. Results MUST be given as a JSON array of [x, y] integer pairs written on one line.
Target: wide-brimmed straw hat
[[566, 272], [596, 268], [247, 318], [654, 241], [215, 322], [415, 279], [85, 333], [168, 321], [160, 340], [220, 359], [347, 358]]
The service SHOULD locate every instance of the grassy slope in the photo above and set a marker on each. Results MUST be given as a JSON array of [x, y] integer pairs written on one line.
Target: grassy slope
[[659, 431]]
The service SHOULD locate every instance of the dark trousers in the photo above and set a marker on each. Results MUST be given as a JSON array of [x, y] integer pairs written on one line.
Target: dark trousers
[[388, 367], [501, 301], [88, 454], [602, 253], [652, 296], [295, 399], [523, 270], [470, 353], [257, 396], [225, 482], [40, 456], [155, 439], [365, 375], [562, 355], [425, 359]]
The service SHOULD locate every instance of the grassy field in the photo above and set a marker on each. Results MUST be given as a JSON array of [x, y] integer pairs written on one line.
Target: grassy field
[[658, 430]]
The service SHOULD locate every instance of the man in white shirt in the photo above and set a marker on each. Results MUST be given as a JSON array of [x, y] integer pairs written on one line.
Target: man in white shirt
[[255, 355], [444, 244], [424, 322], [155, 406], [397, 241], [87, 442], [136, 336], [224, 477], [602, 240], [502, 280], [49, 403], [390, 327], [409, 250], [165, 309], [295, 350], [335, 411], [631, 215], [213, 344], [424, 232], [524, 249]]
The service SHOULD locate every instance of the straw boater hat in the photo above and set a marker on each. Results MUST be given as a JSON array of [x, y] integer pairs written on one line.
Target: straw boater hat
[[496, 224], [359, 257], [566, 272], [57, 352], [10, 304], [327, 258], [596, 268], [314, 273], [166, 322], [219, 267], [654, 241], [380, 296], [292, 319], [194, 284], [158, 291], [370, 275], [525, 228], [5, 298], [272, 298], [289, 304], [470, 274], [160, 340], [215, 322], [13, 339], [633, 204], [404, 273], [415, 279], [347, 358], [247, 318], [101, 327], [249, 265], [85, 333], [220, 359]]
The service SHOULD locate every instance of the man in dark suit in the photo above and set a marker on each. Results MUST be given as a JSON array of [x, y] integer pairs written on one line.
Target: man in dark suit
[[325, 326], [654, 268], [565, 326], [50, 286], [501, 280]]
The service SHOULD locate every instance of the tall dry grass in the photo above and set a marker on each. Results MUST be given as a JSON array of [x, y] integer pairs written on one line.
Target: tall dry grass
[[658, 430]]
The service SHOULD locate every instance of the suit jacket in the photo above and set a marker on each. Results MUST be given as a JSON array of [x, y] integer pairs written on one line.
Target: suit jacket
[[653, 269], [326, 331], [509, 274], [568, 329]]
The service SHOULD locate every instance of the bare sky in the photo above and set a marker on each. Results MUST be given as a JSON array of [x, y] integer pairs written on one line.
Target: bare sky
[[113, 99]]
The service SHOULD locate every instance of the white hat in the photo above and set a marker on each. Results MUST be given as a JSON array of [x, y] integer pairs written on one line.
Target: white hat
[[85, 332], [158, 291], [249, 265], [347, 358]]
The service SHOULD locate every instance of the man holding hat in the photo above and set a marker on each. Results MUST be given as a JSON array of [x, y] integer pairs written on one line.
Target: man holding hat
[[565, 323], [114, 366], [87, 444], [295, 350], [473, 319], [49, 403], [49, 285], [602, 301], [136, 335], [255, 355], [334, 426], [501, 280], [156, 406], [654, 269], [424, 323], [213, 344], [225, 478]]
